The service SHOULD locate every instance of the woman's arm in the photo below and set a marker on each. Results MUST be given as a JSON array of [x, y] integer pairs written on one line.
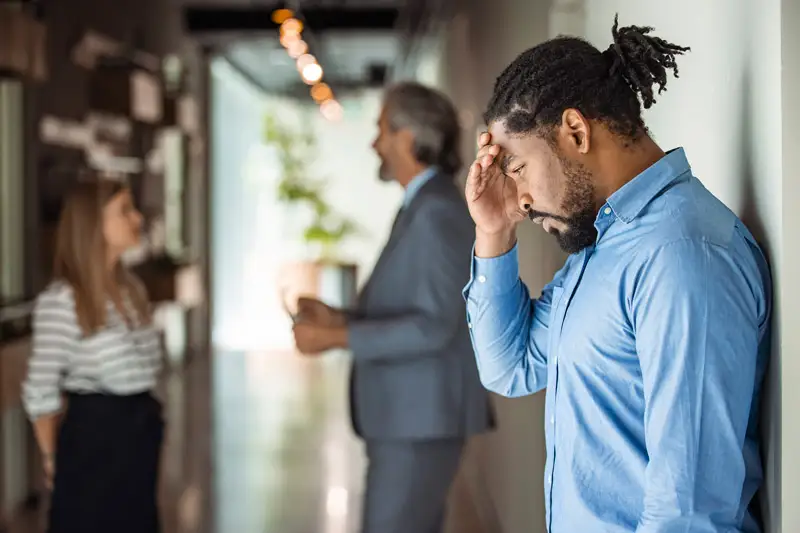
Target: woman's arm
[[55, 331]]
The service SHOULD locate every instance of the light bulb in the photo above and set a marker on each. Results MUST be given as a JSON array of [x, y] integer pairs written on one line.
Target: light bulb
[[290, 39], [279, 16], [321, 92], [311, 73], [291, 25], [331, 110], [305, 60], [297, 48]]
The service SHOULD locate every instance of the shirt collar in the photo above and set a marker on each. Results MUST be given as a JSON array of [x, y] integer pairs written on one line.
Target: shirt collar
[[632, 197], [416, 184]]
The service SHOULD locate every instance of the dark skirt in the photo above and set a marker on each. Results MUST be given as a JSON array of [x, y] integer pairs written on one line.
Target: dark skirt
[[107, 462]]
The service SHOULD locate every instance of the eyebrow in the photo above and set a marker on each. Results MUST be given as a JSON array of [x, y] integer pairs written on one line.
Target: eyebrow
[[505, 162]]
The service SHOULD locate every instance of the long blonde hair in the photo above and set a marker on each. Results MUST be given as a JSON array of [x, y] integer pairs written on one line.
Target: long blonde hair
[[81, 258]]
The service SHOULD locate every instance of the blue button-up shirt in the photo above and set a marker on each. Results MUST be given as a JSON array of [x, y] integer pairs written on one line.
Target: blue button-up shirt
[[652, 345]]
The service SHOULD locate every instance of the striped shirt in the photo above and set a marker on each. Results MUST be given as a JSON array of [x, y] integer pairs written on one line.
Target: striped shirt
[[117, 360]]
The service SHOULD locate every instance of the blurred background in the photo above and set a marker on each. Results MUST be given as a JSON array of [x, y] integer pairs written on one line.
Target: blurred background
[[244, 128]]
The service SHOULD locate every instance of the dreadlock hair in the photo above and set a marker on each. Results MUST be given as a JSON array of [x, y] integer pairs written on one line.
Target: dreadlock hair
[[533, 92]]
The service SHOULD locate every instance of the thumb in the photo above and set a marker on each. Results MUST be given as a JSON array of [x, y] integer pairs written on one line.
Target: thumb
[[305, 301]]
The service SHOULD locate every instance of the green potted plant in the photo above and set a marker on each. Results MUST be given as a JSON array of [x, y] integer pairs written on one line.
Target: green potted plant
[[326, 229]]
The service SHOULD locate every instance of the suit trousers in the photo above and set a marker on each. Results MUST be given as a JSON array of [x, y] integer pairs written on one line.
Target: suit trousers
[[408, 483]]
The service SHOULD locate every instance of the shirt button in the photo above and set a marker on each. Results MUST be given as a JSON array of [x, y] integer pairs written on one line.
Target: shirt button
[[469, 325], [555, 359], [549, 480], [481, 279], [607, 210], [552, 420]]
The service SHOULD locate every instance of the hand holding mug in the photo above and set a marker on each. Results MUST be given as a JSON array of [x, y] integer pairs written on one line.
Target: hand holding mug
[[313, 311]]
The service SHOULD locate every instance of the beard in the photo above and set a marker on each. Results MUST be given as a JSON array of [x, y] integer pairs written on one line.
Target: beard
[[580, 232], [384, 172]]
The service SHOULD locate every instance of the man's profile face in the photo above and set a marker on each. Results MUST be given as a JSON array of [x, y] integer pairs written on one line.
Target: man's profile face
[[385, 146], [557, 192]]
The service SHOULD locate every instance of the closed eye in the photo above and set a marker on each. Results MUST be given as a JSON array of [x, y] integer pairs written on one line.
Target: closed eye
[[512, 172]]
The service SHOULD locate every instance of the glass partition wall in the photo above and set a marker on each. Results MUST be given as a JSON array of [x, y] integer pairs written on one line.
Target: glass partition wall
[[15, 311], [12, 192]]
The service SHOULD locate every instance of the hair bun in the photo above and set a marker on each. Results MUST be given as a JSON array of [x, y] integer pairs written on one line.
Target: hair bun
[[642, 59]]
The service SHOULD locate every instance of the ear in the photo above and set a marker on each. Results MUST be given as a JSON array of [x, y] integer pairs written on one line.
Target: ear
[[576, 131], [405, 140]]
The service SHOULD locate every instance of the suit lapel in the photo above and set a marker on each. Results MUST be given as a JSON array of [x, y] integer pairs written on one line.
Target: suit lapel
[[401, 221], [399, 227], [401, 224]]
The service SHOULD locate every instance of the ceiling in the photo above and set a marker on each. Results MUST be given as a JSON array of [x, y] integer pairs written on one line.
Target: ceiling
[[348, 60], [302, 3], [358, 43]]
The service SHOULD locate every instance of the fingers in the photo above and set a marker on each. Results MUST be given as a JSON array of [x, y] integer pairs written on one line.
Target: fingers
[[486, 181], [478, 180], [484, 138], [487, 155], [486, 151], [304, 304], [482, 173], [479, 177], [472, 180], [490, 149], [308, 305]]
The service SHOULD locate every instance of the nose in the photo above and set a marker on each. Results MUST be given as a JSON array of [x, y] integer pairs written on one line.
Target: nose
[[525, 201]]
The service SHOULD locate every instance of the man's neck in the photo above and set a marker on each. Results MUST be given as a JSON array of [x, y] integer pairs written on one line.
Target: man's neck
[[623, 166], [407, 175]]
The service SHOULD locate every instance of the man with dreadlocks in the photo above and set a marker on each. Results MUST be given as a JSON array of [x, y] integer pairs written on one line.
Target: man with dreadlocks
[[652, 339]]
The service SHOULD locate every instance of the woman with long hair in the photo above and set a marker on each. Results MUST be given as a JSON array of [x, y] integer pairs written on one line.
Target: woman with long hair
[[95, 361]]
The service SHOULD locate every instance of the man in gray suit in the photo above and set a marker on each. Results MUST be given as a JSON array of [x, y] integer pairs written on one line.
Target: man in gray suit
[[415, 391]]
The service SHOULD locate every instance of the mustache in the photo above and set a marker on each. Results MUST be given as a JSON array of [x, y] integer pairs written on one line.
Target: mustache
[[533, 215]]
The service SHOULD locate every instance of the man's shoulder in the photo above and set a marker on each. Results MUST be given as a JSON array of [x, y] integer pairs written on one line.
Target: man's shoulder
[[443, 214], [441, 196], [688, 212], [688, 229], [440, 186]]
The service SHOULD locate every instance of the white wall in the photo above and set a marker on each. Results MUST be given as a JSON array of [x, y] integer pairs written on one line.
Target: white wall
[[728, 109], [789, 259], [236, 111]]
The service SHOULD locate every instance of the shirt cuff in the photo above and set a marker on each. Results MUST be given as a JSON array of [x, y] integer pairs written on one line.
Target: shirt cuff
[[42, 406], [493, 276]]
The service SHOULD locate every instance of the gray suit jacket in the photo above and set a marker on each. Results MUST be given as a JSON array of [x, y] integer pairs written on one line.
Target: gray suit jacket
[[414, 372]]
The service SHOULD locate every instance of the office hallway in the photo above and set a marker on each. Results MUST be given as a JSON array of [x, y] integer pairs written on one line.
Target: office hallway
[[285, 458], [256, 443]]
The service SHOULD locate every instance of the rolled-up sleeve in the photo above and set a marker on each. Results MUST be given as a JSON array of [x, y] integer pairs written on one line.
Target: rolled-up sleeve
[[697, 337], [509, 330], [55, 331]]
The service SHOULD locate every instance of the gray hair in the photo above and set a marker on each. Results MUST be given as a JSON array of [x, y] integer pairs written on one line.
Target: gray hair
[[431, 118]]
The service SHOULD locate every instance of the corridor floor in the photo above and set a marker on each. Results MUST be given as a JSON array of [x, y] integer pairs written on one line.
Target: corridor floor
[[257, 443], [285, 458]]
